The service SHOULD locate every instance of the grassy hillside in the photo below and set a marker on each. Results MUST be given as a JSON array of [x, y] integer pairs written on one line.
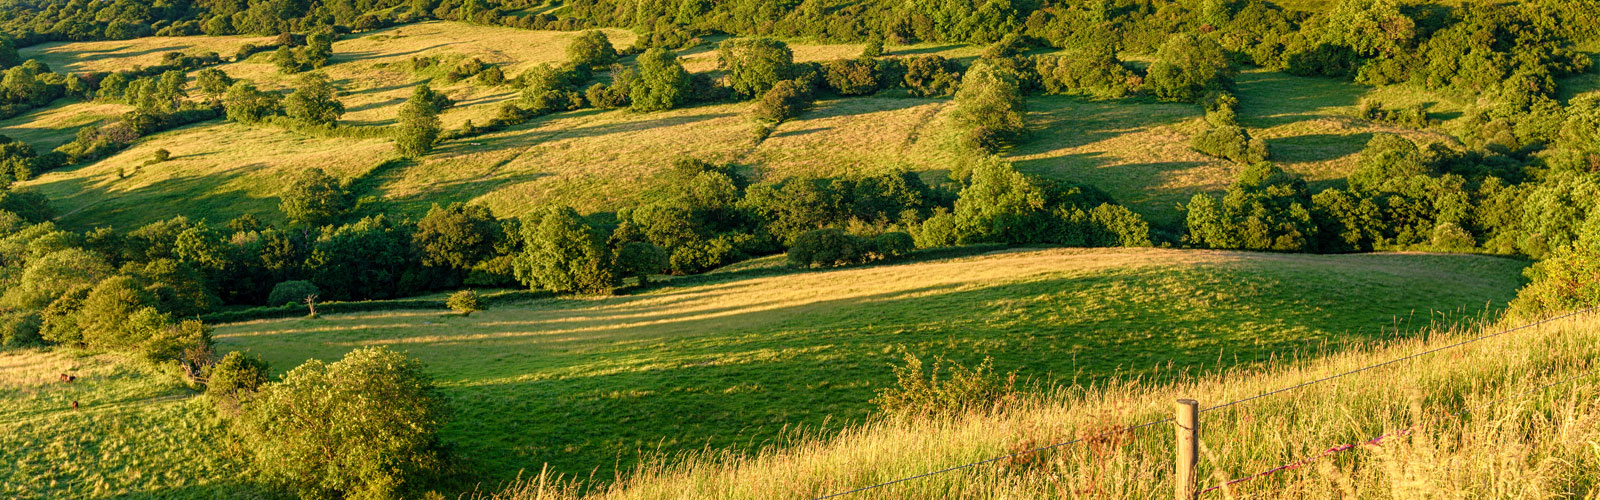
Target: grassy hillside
[[588, 384], [136, 432], [1136, 149], [1486, 426]]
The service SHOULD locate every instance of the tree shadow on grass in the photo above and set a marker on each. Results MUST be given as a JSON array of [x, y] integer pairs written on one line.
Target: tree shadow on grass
[[1317, 147]]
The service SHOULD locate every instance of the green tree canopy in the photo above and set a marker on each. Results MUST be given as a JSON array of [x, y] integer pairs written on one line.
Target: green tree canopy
[[314, 101], [365, 426], [755, 65], [565, 254], [662, 82], [314, 198]]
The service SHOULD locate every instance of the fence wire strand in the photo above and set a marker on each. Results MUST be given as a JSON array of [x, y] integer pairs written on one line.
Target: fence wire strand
[[1236, 402]]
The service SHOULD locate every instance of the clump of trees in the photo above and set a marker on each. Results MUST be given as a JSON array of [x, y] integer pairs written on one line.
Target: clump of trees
[[1264, 209]]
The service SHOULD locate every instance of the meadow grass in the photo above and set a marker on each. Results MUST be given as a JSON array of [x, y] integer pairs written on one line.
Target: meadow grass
[[137, 432], [125, 55], [594, 385], [47, 128], [1509, 417]]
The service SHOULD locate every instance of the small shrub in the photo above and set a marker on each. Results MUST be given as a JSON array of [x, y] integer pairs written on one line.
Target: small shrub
[[236, 374], [291, 292], [465, 302], [946, 389]]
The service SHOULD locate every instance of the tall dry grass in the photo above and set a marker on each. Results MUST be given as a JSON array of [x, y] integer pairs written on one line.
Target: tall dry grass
[[1517, 441]]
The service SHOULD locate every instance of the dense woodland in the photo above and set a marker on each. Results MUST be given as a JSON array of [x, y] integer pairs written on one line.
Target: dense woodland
[[1526, 181]]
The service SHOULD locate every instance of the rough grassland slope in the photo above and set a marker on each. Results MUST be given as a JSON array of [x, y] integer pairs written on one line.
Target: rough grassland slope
[[136, 432], [594, 383]]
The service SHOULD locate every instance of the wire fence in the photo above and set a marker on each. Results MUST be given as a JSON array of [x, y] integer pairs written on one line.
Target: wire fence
[[1289, 466]]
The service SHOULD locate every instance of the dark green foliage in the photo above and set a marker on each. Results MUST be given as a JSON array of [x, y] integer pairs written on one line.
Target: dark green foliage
[[292, 292], [662, 83], [370, 258], [931, 76], [831, 247], [563, 253], [314, 198], [1264, 209], [852, 77], [605, 96], [457, 236], [640, 260], [8, 53], [1225, 138], [989, 108], [591, 49], [20, 329], [828, 247], [755, 65], [1001, 205], [1099, 75], [1187, 67], [784, 101], [245, 104], [418, 124], [314, 101], [1388, 158], [874, 46], [365, 426]]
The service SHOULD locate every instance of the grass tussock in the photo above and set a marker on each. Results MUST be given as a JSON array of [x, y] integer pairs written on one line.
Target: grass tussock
[[1534, 444]]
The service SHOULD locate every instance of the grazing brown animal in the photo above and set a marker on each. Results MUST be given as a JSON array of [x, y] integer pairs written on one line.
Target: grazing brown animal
[[74, 404], [68, 378]]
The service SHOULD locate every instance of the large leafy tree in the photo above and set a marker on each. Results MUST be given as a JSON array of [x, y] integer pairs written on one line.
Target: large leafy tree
[[989, 107], [1187, 67], [565, 254], [314, 101], [457, 235], [314, 198], [592, 49], [662, 82], [755, 65], [365, 426], [418, 126]]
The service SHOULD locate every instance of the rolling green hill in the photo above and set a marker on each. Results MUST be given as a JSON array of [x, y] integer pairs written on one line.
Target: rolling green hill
[[582, 383], [598, 161]]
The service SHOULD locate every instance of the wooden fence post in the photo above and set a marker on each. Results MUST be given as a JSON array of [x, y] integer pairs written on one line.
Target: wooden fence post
[[1188, 420]]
